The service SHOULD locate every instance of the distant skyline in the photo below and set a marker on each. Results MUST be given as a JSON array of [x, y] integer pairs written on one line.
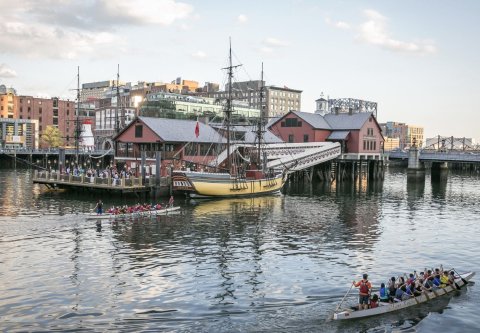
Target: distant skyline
[[418, 60]]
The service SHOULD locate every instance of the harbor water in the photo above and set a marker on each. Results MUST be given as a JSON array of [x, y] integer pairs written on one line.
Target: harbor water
[[268, 264]]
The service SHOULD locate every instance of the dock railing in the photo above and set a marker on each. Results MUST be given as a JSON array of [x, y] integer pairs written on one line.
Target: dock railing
[[84, 180]]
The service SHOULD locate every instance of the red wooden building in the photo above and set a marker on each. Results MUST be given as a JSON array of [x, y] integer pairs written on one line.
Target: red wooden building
[[358, 133]]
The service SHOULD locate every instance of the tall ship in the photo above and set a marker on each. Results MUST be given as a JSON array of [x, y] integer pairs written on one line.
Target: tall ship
[[241, 170]]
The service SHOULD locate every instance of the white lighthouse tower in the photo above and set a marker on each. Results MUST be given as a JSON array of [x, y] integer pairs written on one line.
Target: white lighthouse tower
[[87, 141]]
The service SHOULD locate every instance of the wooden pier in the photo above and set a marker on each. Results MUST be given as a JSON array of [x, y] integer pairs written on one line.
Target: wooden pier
[[133, 185]]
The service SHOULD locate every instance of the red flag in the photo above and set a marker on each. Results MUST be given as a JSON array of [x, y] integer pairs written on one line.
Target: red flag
[[197, 129]]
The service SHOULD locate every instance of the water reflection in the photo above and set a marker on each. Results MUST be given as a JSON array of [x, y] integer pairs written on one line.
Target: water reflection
[[277, 263]]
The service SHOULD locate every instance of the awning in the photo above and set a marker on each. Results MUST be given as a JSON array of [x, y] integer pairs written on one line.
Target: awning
[[338, 135]]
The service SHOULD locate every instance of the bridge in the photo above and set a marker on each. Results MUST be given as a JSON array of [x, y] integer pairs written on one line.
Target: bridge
[[430, 155]]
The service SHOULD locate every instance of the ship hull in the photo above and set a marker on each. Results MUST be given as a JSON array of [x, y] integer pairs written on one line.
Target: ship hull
[[199, 184]]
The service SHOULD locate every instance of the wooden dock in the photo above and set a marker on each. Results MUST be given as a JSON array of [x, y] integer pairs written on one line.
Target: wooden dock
[[107, 184]]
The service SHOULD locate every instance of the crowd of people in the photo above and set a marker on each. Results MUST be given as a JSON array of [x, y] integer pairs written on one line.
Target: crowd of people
[[404, 287], [107, 172]]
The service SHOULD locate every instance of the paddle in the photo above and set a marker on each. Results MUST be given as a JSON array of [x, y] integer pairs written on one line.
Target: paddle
[[338, 306], [465, 282]]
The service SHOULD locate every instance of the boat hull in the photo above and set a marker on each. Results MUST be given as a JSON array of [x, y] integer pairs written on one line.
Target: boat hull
[[390, 307], [198, 185], [130, 215]]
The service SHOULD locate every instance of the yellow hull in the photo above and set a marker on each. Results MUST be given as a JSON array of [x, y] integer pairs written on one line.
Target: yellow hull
[[203, 185]]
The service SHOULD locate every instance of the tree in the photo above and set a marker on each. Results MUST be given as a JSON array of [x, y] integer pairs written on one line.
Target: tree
[[52, 137]]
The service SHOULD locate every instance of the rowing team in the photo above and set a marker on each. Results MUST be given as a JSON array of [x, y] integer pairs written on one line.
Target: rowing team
[[398, 290], [138, 208]]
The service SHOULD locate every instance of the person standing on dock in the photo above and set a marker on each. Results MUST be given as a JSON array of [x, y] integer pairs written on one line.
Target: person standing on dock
[[364, 292], [99, 207]]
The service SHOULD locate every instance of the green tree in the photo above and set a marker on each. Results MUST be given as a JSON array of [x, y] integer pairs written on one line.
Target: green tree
[[52, 137]]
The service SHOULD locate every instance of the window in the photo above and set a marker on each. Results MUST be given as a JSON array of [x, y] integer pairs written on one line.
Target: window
[[40, 110], [292, 122], [305, 138], [290, 138], [40, 119], [139, 131], [55, 121]]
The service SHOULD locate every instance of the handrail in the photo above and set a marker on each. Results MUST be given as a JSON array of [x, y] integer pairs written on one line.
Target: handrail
[[63, 178]]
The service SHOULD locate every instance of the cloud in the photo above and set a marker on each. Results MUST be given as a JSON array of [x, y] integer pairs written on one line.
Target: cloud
[[337, 24], [199, 55], [342, 25], [374, 31], [273, 42], [162, 12], [48, 41], [73, 28], [6, 72], [242, 18]]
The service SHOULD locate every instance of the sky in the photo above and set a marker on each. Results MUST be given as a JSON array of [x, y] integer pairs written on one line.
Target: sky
[[417, 59]]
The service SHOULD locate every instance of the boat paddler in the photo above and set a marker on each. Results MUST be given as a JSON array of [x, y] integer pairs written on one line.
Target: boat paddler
[[99, 207], [364, 292]]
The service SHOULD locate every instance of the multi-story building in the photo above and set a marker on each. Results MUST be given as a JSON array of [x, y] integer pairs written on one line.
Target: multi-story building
[[391, 144], [407, 134], [178, 86], [49, 112], [277, 101], [19, 133], [168, 105], [105, 123], [97, 90], [415, 136], [7, 102]]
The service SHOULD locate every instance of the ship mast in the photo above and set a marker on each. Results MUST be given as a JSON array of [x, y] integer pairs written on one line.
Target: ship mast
[[228, 109], [77, 120], [260, 128], [117, 122]]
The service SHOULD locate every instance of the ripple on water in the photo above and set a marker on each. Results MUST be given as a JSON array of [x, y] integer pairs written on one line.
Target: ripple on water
[[277, 264]]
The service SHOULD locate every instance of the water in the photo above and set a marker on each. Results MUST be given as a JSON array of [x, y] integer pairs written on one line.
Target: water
[[270, 264]]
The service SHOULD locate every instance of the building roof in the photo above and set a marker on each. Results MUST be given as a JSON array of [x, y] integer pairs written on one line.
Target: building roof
[[314, 119], [250, 134], [338, 135], [345, 121], [179, 130]]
